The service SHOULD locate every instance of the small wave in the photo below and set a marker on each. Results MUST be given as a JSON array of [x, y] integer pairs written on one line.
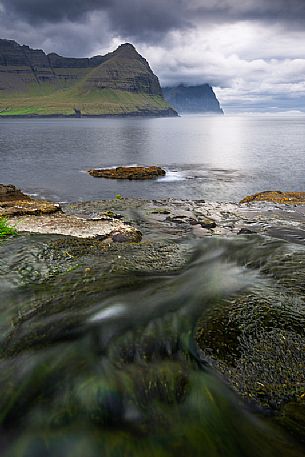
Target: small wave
[[33, 194], [172, 176]]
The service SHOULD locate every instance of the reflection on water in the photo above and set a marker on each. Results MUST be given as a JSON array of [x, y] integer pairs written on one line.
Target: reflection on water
[[104, 362], [236, 156]]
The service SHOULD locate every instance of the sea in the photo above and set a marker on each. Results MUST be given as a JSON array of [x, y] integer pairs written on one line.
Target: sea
[[216, 158]]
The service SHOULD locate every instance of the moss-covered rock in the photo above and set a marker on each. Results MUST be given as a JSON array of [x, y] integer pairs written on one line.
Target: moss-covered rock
[[257, 340], [288, 198], [128, 173]]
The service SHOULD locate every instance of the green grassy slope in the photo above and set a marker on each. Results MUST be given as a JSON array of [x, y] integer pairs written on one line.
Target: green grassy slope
[[94, 102]]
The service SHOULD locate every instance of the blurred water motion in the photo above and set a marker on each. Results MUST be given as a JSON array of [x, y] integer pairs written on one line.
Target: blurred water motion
[[85, 373]]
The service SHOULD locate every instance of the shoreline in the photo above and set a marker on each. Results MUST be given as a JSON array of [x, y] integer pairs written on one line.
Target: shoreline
[[135, 114]]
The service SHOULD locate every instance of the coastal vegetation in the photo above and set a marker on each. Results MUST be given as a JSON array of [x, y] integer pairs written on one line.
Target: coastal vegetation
[[5, 228]]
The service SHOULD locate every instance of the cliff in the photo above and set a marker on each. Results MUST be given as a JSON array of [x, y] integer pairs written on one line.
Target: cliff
[[192, 99], [120, 83]]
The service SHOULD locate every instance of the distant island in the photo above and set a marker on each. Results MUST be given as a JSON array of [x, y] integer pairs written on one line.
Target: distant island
[[120, 83], [192, 99]]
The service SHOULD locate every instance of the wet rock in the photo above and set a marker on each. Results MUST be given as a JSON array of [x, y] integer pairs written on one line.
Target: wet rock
[[208, 223], [245, 231], [182, 220], [288, 198], [160, 211], [151, 218], [128, 173], [257, 339], [13, 202], [11, 193], [127, 236]]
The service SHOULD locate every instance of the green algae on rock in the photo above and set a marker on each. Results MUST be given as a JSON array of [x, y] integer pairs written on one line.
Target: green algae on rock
[[256, 340]]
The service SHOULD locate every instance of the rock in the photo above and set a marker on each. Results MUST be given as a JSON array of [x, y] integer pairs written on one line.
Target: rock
[[160, 211], [127, 236], [288, 198], [190, 218], [63, 224], [182, 220], [245, 231], [13, 202], [208, 223], [11, 193], [256, 339], [128, 172]]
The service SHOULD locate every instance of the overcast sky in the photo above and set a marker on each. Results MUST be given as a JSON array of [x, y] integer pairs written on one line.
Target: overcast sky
[[251, 51]]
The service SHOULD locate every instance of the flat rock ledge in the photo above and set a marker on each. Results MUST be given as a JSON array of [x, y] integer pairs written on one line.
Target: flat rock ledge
[[288, 198], [40, 216], [128, 173], [63, 224], [13, 202]]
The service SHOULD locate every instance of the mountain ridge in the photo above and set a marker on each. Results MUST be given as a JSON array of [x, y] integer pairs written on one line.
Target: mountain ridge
[[33, 83]]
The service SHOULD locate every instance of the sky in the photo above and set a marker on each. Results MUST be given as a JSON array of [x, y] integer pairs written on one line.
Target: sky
[[251, 51]]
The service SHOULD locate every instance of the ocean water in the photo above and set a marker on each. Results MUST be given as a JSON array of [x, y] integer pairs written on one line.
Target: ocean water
[[206, 157]]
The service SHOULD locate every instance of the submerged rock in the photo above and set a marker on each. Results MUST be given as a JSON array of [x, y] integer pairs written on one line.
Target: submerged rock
[[128, 172], [288, 198], [13, 202]]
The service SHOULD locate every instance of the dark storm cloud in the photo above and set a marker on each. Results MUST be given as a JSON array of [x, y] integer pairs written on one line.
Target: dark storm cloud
[[131, 17], [52, 10], [142, 21], [141, 17]]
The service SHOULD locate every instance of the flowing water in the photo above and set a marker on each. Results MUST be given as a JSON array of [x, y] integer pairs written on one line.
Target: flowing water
[[215, 158], [104, 361]]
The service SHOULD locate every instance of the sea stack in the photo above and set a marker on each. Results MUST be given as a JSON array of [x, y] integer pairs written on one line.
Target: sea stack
[[193, 99]]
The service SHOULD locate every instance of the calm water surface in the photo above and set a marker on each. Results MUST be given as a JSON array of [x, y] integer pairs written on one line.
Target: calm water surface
[[216, 158]]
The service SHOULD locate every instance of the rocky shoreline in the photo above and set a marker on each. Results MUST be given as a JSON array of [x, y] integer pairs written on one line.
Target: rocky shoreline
[[133, 114], [254, 339]]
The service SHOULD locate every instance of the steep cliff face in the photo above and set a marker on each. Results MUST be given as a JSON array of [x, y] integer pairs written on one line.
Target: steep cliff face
[[125, 69], [121, 82], [192, 99]]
